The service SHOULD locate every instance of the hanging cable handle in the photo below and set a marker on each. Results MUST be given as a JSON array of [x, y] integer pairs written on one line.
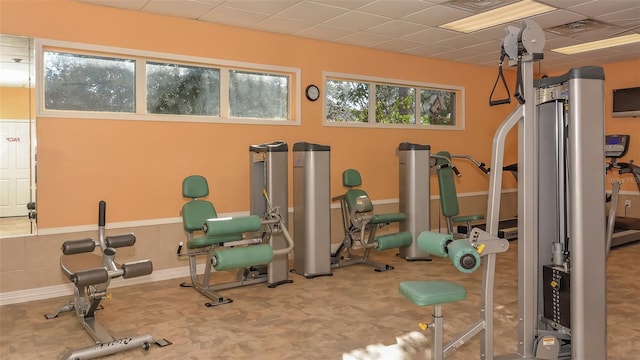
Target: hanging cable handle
[[519, 91], [506, 100]]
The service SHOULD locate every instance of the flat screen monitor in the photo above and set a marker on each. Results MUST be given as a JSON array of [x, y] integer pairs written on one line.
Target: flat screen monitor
[[626, 102]]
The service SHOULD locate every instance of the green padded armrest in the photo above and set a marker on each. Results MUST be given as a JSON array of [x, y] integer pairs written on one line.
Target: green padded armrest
[[205, 241], [467, 218], [425, 293], [387, 218]]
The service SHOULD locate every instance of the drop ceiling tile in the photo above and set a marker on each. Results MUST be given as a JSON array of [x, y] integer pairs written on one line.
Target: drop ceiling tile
[[497, 32], [436, 15], [348, 4], [561, 41], [396, 45], [269, 7], [395, 8], [463, 41], [396, 28], [556, 17], [429, 50], [232, 16], [357, 20], [600, 34], [602, 7], [486, 57], [282, 25], [631, 49], [312, 12], [383, 23], [185, 9], [129, 5], [363, 39], [627, 18], [324, 32], [563, 3], [431, 35]]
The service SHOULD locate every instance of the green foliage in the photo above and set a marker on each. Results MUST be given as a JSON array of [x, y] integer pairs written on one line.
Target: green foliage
[[88, 83], [258, 95], [186, 90], [395, 105], [348, 101]]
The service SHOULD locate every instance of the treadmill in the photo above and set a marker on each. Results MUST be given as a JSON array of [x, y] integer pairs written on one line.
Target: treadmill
[[626, 229]]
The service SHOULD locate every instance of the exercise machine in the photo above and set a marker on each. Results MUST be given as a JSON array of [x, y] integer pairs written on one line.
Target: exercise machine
[[91, 274], [360, 225], [507, 228], [561, 275], [416, 163], [312, 210], [448, 194], [241, 243], [269, 172], [626, 229]]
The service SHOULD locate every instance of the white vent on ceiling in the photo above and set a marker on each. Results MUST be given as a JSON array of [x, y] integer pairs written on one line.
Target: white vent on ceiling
[[578, 27], [478, 6]]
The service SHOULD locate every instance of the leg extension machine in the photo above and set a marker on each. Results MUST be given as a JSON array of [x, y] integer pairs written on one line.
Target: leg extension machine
[[223, 243], [360, 225]]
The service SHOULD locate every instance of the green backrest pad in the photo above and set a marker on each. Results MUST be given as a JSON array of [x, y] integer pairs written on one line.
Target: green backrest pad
[[447, 185], [195, 186], [351, 178], [195, 213], [352, 195], [425, 293]]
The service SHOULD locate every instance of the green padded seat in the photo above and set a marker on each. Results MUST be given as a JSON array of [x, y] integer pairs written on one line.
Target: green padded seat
[[388, 218], [425, 293]]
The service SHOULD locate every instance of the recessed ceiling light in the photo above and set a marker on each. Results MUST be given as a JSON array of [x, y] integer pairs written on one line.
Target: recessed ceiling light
[[600, 44], [502, 15]]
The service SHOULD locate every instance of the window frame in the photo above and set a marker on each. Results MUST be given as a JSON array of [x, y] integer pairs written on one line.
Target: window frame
[[372, 81], [141, 58]]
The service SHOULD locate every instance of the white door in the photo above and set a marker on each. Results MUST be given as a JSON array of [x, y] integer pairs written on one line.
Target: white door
[[14, 168]]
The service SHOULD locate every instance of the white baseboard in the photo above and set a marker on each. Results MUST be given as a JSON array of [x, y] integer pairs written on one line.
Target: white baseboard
[[48, 292]]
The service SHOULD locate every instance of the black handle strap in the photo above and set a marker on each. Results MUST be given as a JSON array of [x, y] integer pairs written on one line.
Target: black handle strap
[[519, 91], [506, 100]]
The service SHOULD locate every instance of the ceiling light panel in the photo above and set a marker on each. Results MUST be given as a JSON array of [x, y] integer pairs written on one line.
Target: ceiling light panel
[[600, 44], [502, 15]]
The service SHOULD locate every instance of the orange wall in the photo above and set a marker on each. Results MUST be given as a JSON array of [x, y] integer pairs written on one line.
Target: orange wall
[[15, 103], [138, 166], [618, 76]]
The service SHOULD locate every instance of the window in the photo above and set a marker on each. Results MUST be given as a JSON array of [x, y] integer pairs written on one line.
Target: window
[[88, 83], [180, 89], [102, 82], [395, 104], [360, 101], [347, 101], [258, 95]]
